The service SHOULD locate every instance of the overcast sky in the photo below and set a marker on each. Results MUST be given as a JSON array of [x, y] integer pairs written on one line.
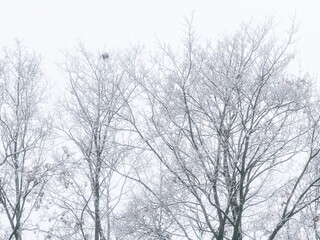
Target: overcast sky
[[48, 26]]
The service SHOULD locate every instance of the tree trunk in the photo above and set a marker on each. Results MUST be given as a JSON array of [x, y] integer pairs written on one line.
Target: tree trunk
[[97, 225]]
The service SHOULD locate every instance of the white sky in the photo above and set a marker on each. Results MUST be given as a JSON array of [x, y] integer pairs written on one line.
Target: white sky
[[49, 26]]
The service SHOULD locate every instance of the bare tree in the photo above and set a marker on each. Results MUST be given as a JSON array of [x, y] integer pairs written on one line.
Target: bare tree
[[224, 120], [22, 135], [94, 146]]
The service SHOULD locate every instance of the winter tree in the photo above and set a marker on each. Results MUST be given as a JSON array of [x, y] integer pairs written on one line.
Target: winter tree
[[23, 133], [226, 120], [94, 146]]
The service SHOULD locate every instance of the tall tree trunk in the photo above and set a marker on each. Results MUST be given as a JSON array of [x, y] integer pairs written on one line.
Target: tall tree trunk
[[97, 225], [17, 230]]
